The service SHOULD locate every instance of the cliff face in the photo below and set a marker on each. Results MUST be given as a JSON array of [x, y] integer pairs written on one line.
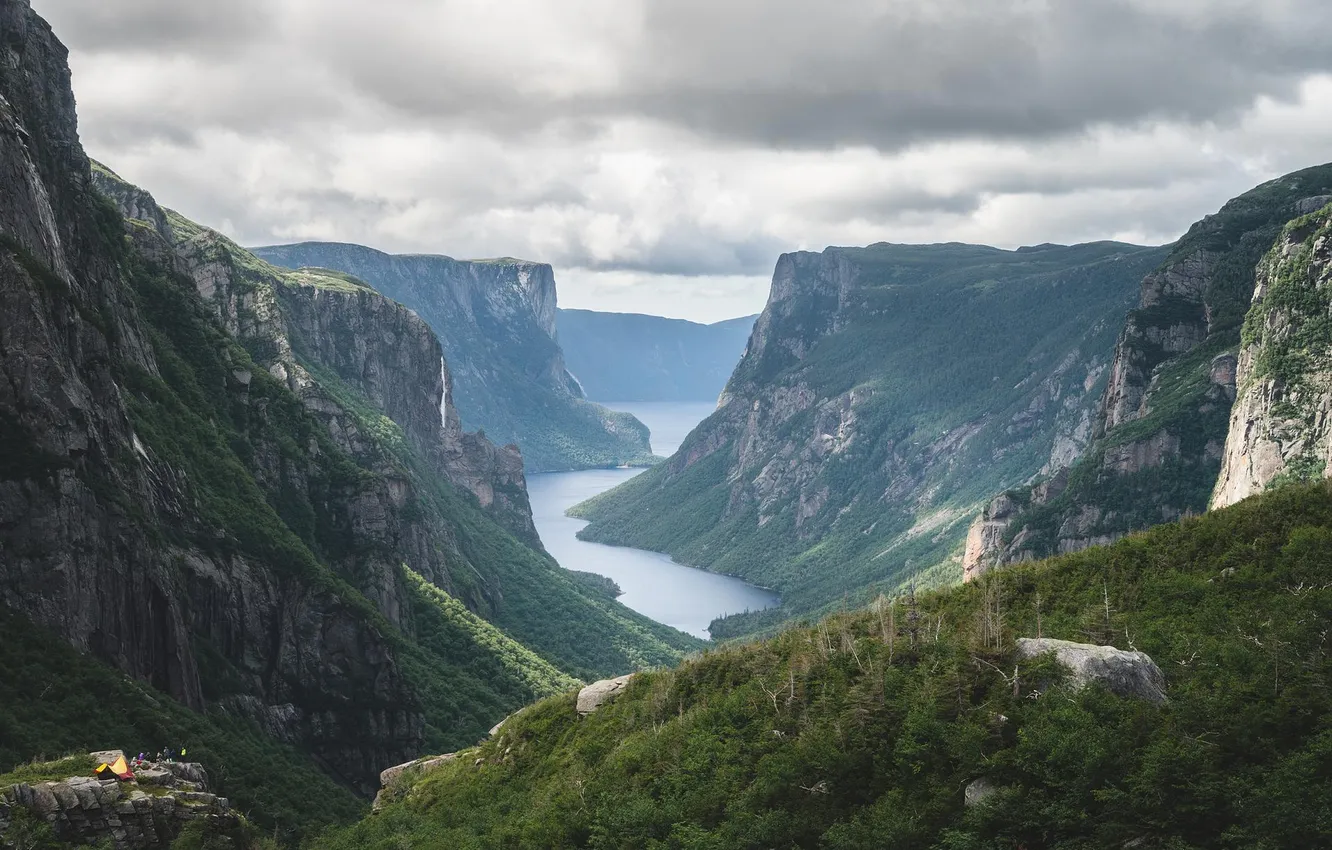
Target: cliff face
[[497, 322], [244, 486], [1279, 427], [84, 497], [881, 389], [1165, 413]]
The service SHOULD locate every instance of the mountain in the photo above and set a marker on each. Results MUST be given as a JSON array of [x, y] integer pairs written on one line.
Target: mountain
[[235, 503], [925, 725], [496, 319], [1279, 429], [885, 392], [631, 357], [1162, 426]]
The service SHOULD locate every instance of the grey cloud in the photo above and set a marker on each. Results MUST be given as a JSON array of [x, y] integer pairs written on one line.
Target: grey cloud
[[156, 25], [811, 74], [784, 73]]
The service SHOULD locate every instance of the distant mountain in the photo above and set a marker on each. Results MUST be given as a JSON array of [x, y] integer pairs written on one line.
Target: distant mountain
[[884, 393], [632, 357], [496, 320]]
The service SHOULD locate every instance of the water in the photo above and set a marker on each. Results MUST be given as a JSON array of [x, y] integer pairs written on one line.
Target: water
[[653, 584]]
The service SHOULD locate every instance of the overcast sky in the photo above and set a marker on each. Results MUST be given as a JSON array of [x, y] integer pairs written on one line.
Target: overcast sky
[[662, 153]]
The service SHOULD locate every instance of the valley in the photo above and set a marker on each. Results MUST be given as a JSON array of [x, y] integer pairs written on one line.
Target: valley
[[950, 547], [681, 597]]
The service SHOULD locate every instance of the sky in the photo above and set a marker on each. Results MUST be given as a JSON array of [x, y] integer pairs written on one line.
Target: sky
[[662, 154]]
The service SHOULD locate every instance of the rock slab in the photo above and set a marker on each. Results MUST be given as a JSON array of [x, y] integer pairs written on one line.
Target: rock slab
[[1129, 674], [597, 694]]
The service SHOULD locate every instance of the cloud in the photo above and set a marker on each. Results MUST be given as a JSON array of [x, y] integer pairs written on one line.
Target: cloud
[[649, 147]]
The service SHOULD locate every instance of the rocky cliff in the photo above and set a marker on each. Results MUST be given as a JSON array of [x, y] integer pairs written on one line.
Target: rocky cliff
[[1279, 427], [149, 811], [1165, 413], [497, 321], [215, 472], [882, 387]]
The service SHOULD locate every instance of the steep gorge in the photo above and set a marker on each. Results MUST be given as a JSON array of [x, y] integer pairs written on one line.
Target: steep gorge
[[246, 487]]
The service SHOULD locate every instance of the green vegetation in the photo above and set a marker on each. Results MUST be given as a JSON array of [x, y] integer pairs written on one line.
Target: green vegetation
[[1290, 329], [246, 471], [54, 700], [509, 376], [863, 730], [1181, 401], [962, 359]]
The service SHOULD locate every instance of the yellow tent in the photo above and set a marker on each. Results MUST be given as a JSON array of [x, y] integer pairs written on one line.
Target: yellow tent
[[118, 770]]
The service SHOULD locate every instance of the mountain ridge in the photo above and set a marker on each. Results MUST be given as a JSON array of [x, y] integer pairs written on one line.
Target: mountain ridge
[[496, 320], [855, 434]]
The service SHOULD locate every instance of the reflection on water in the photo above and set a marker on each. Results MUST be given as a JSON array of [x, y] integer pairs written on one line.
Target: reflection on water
[[653, 584]]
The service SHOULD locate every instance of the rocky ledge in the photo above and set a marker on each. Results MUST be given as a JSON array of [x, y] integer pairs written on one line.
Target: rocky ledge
[[146, 812]]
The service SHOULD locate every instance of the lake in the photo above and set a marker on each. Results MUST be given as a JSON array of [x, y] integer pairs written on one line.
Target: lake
[[654, 585]]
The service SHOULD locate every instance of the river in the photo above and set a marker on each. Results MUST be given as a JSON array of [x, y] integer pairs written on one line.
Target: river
[[654, 585]]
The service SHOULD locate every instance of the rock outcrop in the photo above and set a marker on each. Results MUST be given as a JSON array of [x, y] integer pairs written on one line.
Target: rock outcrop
[[1281, 424], [496, 319], [86, 810], [857, 430], [597, 694], [1165, 414], [1129, 674]]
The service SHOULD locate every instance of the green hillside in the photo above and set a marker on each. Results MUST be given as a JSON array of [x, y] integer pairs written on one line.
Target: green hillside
[[886, 392], [863, 730]]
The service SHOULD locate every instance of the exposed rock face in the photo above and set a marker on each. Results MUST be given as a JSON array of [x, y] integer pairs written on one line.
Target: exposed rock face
[[388, 776], [85, 810], [1129, 674], [1166, 410], [496, 319], [384, 350], [597, 694], [1281, 424], [851, 438]]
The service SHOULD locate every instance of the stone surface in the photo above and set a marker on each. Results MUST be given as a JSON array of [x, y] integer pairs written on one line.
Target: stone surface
[[1195, 299], [85, 810], [387, 777], [977, 790], [597, 694], [1281, 426], [496, 319], [1129, 674]]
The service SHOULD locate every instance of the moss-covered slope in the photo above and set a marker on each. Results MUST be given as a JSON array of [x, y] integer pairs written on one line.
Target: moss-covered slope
[[884, 392], [864, 730]]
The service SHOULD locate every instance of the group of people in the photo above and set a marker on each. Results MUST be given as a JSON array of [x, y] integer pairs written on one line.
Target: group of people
[[165, 755]]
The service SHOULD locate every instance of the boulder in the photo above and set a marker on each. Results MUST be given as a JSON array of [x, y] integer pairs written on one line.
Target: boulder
[[1129, 674], [977, 790], [386, 777], [107, 756], [597, 694]]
